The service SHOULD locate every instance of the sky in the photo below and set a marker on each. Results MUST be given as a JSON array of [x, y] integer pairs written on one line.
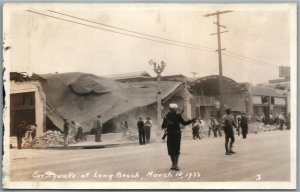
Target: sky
[[262, 34]]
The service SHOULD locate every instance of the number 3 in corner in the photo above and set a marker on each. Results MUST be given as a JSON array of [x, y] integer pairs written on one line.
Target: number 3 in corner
[[258, 177]]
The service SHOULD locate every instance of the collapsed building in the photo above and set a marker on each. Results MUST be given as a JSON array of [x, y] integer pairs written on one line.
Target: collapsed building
[[48, 99], [81, 97]]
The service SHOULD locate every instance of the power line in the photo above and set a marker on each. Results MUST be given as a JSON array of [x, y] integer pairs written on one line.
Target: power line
[[131, 31], [257, 60], [153, 40], [232, 56], [153, 36], [112, 31]]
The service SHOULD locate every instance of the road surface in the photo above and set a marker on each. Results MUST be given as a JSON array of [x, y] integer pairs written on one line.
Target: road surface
[[263, 156]]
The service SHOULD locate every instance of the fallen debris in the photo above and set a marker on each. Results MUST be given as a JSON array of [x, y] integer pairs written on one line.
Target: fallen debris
[[48, 139]]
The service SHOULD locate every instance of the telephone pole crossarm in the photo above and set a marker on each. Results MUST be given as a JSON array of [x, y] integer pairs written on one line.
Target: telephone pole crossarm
[[216, 13], [220, 25], [219, 50], [219, 32]]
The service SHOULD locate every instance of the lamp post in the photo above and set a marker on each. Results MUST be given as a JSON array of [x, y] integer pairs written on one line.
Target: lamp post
[[158, 69]]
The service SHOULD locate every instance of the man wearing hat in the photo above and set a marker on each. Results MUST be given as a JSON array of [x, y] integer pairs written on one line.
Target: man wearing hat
[[228, 122], [98, 128], [66, 132], [172, 122], [244, 125]]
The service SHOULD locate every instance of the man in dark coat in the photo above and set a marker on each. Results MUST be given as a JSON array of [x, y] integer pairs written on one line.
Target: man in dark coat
[[98, 128], [172, 122], [147, 126], [244, 125], [66, 132], [228, 122], [141, 128], [21, 133]]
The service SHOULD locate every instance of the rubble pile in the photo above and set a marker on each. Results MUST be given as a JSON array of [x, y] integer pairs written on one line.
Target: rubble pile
[[261, 127], [49, 138]]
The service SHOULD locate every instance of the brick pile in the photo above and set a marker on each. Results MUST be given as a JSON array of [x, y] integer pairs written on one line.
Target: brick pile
[[48, 139]]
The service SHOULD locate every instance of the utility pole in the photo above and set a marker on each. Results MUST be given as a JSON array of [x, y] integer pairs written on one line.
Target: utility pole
[[158, 69], [220, 49]]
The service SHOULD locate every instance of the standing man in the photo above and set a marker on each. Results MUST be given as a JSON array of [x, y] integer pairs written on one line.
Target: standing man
[[33, 129], [124, 125], [244, 125], [271, 119], [75, 133], [172, 122], [214, 127], [74, 128], [141, 128], [66, 132], [238, 123], [281, 120], [288, 121], [21, 133], [228, 122], [98, 128], [195, 128], [148, 125]]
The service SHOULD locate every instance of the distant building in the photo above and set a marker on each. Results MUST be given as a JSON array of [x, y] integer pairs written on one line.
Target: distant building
[[207, 97], [268, 100]]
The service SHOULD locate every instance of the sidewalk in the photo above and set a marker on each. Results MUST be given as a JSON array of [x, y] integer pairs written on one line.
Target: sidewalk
[[108, 140]]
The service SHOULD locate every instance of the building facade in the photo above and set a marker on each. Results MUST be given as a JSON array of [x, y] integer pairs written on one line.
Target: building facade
[[268, 100], [27, 103]]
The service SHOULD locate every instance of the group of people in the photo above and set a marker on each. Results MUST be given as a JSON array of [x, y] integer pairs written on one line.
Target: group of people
[[144, 130], [215, 127], [172, 125], [74, 130], [277, 120], [26, 133]]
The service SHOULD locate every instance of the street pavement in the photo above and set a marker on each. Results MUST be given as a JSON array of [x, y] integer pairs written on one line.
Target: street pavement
[[264, 156]]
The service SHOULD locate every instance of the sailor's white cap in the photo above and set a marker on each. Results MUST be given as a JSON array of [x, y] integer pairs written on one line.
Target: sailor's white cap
[[173, 106]]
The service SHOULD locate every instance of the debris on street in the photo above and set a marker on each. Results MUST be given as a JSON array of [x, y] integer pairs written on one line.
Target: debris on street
[[48, 139]]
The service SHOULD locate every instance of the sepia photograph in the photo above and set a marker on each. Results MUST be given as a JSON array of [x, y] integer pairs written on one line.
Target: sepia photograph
[[149, 96]]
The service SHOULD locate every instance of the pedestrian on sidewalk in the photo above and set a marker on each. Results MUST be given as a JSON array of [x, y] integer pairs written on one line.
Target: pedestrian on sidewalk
[[98, 128], [33, 130], [213, 126], [66, 132], [74, 129], [271, 117], [288, 121], [141, 129], [281, 120], [124, 126], [195, 128], [244, 125], [172, 122], [228, 123], [148, 125], [21, 133], [238, 124]]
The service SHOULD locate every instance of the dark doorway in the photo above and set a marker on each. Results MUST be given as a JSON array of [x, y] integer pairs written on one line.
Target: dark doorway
[[22, 108]]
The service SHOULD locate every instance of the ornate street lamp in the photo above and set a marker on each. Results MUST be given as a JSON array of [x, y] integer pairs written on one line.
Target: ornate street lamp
[[158, 69]]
